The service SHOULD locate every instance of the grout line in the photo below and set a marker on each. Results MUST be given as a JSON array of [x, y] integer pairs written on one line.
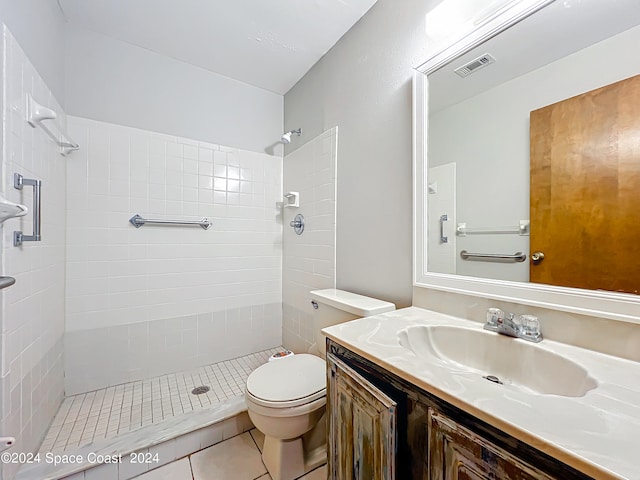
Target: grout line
[[254, 440], [84, 428], [193, 475]]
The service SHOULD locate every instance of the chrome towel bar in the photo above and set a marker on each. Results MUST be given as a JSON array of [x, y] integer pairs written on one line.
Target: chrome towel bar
[[516, 257], [18, 182], [137, 221], [522, 228]]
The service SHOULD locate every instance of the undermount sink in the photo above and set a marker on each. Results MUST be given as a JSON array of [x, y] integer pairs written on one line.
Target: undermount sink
[[499, 359]]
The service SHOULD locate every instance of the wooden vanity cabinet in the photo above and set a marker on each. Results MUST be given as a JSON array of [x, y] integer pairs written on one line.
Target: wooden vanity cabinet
[[384, 428], [363, 422], [456, 452]]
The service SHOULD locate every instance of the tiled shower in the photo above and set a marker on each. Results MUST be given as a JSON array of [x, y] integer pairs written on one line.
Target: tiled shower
[[105, 413], [33, 309], [156, 299], [309, 260], [104, 315]]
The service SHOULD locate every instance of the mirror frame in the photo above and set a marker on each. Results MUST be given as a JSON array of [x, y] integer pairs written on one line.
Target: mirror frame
[[604, 304]]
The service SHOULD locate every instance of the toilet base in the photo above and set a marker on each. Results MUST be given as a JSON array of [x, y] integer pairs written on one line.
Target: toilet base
[[287, 460]]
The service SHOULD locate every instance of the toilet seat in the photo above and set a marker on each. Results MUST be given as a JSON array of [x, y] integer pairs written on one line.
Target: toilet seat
[[289, 382], [278, 412]]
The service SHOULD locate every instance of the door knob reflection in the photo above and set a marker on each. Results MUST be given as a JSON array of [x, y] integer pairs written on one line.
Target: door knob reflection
[[537, 257]]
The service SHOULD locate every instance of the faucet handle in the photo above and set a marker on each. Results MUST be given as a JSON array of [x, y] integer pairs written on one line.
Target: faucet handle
[[530, 326], [494, 316]]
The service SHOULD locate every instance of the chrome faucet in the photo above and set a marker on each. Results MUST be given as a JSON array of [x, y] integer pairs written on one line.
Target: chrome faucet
[[526, 327], [507, 325]]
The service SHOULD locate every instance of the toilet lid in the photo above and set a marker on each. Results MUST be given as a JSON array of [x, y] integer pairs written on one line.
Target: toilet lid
[[300, 377]]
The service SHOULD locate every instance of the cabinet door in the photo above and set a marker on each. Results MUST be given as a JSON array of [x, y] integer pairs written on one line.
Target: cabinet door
[[456, 453], [362, 426]]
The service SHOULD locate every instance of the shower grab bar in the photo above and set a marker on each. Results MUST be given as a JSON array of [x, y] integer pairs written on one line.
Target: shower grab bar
[[516, 257], [137, 221], [443, 218], [19, 182]]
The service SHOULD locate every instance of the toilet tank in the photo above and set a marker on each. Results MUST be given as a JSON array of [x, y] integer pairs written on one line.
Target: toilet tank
[[332, 306]]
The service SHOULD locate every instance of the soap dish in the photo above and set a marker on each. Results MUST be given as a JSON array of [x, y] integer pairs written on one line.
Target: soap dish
[[11, 210]]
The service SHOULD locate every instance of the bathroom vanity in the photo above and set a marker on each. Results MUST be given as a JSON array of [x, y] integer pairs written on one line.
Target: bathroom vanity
[[397, 413], [416, 394]]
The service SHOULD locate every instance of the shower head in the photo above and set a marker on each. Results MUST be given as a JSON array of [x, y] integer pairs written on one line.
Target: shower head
[[286, 137]]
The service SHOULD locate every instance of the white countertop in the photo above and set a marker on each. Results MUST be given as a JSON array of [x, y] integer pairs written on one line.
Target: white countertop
[[597, 434]]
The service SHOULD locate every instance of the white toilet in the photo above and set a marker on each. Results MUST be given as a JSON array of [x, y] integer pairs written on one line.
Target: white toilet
[[286, 398]]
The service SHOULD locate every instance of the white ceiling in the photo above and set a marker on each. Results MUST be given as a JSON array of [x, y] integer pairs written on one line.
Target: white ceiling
[[267, 43], [561, 28]]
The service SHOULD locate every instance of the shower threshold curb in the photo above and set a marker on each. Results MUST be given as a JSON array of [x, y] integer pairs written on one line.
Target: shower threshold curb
[[191, 432]]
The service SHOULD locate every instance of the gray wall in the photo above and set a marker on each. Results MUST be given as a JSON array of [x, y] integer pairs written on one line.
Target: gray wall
[[38, 26], [116, 82], [363, 85]]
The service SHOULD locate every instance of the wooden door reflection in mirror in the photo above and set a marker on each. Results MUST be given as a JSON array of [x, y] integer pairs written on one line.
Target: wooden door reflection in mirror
[[585, 189]]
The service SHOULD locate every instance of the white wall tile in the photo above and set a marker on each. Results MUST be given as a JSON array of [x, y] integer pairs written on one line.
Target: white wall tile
[[128, 469], [120, 275], [166, 452], [188, 443], [107, 471], [211, 435], [309, 259], [32, 313]]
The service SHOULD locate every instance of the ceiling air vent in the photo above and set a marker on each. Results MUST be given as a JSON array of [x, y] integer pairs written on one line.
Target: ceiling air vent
[[475, 65]]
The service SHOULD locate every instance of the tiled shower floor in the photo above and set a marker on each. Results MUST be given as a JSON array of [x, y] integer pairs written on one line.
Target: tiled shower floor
[[106, 413]]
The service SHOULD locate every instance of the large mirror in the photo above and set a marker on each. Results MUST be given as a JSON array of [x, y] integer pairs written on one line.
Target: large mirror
[[529, 162]]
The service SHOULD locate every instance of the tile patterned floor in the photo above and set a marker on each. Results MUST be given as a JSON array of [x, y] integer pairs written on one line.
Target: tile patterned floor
[[105, 413], [235, 459]]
